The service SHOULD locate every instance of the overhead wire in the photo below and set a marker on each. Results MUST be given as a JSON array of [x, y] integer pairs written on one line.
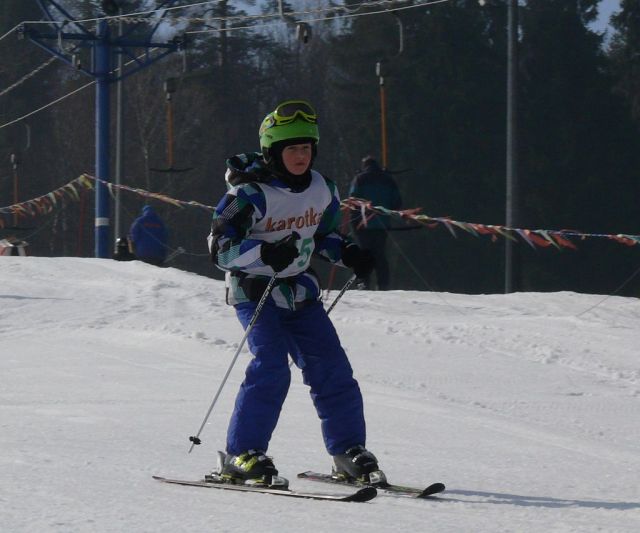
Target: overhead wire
[[137, 17], [349, 14], [320, 19], [234, 28], [57, 100], [110, 18], [60, 99], [28, 76], [11, 30], [419, 275], [238, 17], [606, 297], [345, 8], [401, 8]]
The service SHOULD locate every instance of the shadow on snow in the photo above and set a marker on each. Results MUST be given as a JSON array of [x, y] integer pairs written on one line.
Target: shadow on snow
[[537, 501]]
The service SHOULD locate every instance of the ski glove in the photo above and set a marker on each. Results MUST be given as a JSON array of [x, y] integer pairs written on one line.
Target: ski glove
[[360, 261], [280, 254]]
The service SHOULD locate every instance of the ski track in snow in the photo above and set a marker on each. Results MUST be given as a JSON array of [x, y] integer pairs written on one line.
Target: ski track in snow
[[526, 405]]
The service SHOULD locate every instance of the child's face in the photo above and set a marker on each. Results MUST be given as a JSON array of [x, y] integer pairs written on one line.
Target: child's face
[[297, 157]]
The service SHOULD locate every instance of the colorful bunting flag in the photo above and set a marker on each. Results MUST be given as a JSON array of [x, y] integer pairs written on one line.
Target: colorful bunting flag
[[542, 238]]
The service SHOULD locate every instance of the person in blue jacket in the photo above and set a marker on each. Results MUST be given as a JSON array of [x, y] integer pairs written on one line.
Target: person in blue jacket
[[276, 215], [375, 184], [148, 237]]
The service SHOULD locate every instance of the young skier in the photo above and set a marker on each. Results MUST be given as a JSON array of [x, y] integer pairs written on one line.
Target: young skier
[[277, 213]]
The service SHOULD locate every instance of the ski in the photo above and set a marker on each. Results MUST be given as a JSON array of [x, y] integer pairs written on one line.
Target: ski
[[364, 494], [390, 488]]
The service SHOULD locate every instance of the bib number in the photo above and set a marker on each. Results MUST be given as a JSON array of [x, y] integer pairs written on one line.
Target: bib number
[[305, 252]]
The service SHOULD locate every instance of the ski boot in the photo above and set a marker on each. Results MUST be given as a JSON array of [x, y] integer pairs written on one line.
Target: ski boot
[[359, 466], [251, 468]]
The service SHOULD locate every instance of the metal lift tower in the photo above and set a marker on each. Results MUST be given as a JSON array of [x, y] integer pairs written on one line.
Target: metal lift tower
[[104, 48]]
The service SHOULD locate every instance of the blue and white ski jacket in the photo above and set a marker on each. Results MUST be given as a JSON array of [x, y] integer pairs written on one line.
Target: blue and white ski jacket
[[262, 208]]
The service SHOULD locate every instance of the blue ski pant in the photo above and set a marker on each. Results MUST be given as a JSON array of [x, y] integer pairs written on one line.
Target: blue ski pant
[[309, 337]]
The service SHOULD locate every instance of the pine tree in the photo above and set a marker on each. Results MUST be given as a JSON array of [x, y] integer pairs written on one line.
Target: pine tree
[[574, 172], [17, 60], [625, 53]]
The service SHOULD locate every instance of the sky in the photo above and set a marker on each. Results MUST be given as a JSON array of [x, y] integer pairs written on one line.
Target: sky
[[525, 405], [605, 10]]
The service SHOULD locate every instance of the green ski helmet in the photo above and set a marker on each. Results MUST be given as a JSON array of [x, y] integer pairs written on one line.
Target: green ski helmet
[[291, 119]]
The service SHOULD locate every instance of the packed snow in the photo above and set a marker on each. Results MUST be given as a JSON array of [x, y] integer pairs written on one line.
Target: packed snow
[[526, 405]]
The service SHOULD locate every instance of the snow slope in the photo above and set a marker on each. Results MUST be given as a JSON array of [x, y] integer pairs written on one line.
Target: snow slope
[[525, 405]]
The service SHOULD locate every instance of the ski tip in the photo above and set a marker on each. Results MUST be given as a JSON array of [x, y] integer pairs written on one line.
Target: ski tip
[[159, 478], [432, 489], [362, 495]]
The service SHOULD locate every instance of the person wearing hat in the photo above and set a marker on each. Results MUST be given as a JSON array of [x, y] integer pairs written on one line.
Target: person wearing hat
[[277, 213], [148, 237], [375, 184]]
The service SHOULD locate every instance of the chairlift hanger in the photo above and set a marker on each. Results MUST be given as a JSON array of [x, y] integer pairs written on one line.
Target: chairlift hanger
[[170, 88], [303, 30]]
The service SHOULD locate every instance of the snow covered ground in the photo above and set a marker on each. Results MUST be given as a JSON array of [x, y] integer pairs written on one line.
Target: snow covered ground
[[527, 406]]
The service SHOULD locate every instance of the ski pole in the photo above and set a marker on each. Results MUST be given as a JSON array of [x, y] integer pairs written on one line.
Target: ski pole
[[179, 250], [342, 291], [335, 301], [196, 438]]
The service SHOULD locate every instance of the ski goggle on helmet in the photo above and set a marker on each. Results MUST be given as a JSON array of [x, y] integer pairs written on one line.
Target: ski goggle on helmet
[[291, 119]]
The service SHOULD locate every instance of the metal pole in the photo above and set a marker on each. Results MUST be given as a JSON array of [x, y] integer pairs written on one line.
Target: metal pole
[[383, 97], [102, 61], [383, 114], [14, 164], [512, 215], [119, 136], [383, 122], [169, 131]]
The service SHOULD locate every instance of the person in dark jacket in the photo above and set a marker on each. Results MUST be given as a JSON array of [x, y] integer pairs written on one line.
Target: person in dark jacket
[[148, 236], [373, 183]]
